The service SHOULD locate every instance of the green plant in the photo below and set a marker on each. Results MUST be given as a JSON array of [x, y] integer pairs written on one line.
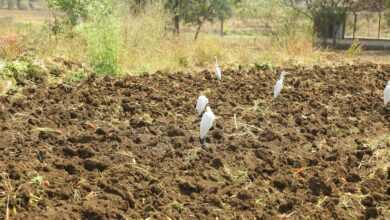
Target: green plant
[[177, 206], [198, 12], [102, 32], [14, 69], [37, 180], [74, 9], [355, 49], [75, 76]]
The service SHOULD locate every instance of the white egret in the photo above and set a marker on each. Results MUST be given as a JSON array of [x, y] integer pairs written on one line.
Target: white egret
[[205, 124], [279, 85], [201, 104], [218, 70], [386, 94]]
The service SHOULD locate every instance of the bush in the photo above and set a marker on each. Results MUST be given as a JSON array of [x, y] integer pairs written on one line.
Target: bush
[[74, 9], [102, 32]]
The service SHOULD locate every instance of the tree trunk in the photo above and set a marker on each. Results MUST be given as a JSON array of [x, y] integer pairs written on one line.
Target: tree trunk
[[10, 4], [334, 35], [344, 27], [200, 23], [354, 24], [222, 27], [31, 4], [379, 25], [176, 21], [20, 5]]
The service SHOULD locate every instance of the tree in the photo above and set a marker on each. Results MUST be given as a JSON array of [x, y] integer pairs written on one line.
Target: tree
[[200, 11], [177, 8], [19, 4], [328, 16], [11, 4], [136, 6], [73, 9], [223, 11]]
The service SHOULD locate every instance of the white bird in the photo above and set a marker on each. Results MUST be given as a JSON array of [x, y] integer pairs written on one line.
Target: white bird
[[205, 124], [201, 104], [279, 85], [386, 94], [218, 70]]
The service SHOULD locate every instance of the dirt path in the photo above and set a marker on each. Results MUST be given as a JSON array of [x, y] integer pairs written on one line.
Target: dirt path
[[128, 148]]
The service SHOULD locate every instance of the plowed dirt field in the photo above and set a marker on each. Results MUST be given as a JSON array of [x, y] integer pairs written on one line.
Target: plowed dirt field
[[128, 148]]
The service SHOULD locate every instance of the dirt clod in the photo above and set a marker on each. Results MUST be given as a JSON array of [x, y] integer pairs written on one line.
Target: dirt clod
[[92, 165]]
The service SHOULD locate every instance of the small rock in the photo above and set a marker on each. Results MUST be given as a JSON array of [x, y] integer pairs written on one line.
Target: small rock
[[217, 134], [85, 152], [217, 163], [82, 139], [175, 132], [244, 195], [214, 200], [188, 188], [71, 169], [331, 156], [280, 184], [353, 178], [317, 186], [92, 165], [100, 131], [69, 151], [73, 115], [155, 189], [286, 207], [368, 201], [127, 107], [371, 213]]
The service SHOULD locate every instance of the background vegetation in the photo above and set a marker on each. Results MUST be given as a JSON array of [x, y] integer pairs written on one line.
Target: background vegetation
[[136, 36]]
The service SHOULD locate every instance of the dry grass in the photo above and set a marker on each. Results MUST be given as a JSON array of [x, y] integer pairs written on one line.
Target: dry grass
[[148, 46], [23, 16]]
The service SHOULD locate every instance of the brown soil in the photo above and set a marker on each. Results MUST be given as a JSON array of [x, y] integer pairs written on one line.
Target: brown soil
[[128, 148]]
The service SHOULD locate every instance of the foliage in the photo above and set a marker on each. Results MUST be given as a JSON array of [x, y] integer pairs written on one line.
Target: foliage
[[114, 39], [177, 8], [278, 20], [102, 32], [74, 9], [355, 49], [200, 11], [136, 6], [14, 68], [75, 76]]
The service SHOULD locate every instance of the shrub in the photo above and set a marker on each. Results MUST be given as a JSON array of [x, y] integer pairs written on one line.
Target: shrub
[[102, 32]]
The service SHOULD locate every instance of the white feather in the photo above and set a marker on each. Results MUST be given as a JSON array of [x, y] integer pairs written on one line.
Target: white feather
[[386, 94], [206, 123], [201, 104], [279, 85], [218, 70]]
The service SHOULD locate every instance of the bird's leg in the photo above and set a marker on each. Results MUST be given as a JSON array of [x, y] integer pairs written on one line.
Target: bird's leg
[[204, 145], [202, 141]]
